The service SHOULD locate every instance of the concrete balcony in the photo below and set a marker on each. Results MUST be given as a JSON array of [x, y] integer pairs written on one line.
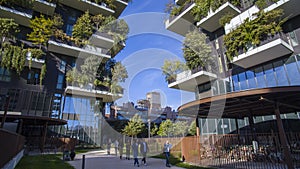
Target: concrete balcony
[[74, 51], [211, 21], [180, 2], [120, 6], [44, 7], [35, 63], [290, 7], [188, 81], [20, 17], [102, 40], [89, 92], [271, 49], [85, 5], [183, 22]]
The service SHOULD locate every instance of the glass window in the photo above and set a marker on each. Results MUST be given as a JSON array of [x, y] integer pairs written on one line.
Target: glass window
[[280, 74], [261, 83], [5, 75], [292, 71], [270, 76], [60, 81], [33, 77], [235, 81], [293, 38], [251, 79], [243, 81]]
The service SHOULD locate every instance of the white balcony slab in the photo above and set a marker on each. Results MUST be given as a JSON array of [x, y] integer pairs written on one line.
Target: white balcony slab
[[44, 7], [19, 17], [107, 96], [101, 41], [290, 7], [188, 81], [211, 21], [74, 51], [85, 5], [183, 23], [35, 63], [264, 53]]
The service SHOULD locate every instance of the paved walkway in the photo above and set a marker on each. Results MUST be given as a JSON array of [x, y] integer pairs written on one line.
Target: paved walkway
[[99, 160]]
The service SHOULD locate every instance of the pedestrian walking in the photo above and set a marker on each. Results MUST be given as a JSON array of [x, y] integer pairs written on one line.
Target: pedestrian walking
[[116, 144], [144, 150], [108, 146], [167, 148], [135, 152], [128, 149], [121, 145]]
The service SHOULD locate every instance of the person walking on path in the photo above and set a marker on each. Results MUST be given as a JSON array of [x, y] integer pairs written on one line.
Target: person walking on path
[[135, 151], [108, 146], [121, 145], [127, 149], [116, 143], [167, 148], [144, 150]]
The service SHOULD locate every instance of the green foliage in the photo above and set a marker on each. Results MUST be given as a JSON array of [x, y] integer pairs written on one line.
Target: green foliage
[[193, 128], [41, 30], [98, 20], [252, 32], [57, 21], [154, 130], [119, 73], [43, 73], [28, 4], [83, 28], [196, 52], [172, 68], [90, 67], [7, 28], [166, 128], [134, 127], [202, 7], [226, 18], [261, 4], [181, 128]]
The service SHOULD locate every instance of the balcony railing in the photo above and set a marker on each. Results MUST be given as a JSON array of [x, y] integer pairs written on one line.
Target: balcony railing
[[190, 79], [71, 49], [44, 7], [86, 5], [211, 21], [92, 91], [20, 15], [271, 48]]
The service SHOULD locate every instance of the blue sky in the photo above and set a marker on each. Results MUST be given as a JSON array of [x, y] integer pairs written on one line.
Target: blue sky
[[147, 46]]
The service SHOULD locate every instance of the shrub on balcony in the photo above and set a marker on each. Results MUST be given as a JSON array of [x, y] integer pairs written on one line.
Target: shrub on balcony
[[171, 68], [197, 53], [8, 29], [83, 28], [202, 7], [28, 4], [226, 18], [252, 32], [42, 30], [261, 4]]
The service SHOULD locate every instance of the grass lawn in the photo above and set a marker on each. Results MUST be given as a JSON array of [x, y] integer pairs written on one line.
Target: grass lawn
[[176, 162], [48, 161]]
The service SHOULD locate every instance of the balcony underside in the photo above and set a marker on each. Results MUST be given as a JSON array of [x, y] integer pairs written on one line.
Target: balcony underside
[[73, 51], [101, 41], [264, 53], [19, 17], [290, 7], [179, 2], [182, 23], [120, 6], [190, 82], [85, 5], [211, 22], [44, 7], [107, 96], [35, 63]]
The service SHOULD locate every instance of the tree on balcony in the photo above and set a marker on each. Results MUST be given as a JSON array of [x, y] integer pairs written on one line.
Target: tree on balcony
[[41, 30], [197, 53], [83, 28], [171, 68], [250, 34], [8, 29], [203, 7]]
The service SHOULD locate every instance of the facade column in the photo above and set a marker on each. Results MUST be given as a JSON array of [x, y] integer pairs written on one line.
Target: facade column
[[237, 130], [283, 139], [252, 127]]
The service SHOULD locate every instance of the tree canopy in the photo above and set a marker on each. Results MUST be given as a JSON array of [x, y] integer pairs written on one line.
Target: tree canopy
[[134, 127]]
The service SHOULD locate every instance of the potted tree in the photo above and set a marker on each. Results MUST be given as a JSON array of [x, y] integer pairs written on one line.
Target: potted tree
[[172, 68]]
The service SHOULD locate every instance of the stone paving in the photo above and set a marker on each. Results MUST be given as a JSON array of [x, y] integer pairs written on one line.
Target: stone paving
[[100, 160]]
